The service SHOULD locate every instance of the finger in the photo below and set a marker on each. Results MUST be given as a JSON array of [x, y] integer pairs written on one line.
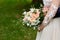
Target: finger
[[39, 30]]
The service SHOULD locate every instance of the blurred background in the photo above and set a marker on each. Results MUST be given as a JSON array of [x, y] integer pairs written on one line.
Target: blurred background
[[11, 27]]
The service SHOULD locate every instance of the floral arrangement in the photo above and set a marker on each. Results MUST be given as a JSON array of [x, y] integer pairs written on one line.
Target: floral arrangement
[[33, 17]]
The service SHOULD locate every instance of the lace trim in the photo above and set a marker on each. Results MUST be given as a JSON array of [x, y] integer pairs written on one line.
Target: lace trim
[[47, 2], [51, 13]]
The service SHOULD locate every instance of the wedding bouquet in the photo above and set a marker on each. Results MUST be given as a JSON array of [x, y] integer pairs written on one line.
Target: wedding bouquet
[[33, 17]]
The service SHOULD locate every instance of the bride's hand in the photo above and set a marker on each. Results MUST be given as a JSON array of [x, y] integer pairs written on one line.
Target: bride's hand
[[45, 9], [41, 27]]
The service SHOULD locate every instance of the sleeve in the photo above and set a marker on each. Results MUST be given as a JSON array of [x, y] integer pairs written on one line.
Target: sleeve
[[50, 14]]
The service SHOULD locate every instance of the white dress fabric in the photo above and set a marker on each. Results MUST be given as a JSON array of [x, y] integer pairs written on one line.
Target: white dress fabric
[[52, 30]]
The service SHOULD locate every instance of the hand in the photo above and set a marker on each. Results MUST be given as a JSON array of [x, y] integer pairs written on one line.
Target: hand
[[41, 27]]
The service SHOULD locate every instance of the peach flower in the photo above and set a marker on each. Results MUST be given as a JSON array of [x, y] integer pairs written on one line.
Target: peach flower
[[32, 20], [35, 16]]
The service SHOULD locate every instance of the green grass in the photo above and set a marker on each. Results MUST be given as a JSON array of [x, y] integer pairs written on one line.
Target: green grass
[[11, 27]]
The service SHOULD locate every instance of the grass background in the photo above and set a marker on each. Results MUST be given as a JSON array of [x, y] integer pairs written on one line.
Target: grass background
[[11, 27]]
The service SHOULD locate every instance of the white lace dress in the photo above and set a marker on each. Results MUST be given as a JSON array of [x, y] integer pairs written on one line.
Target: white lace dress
[[52, 30]]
